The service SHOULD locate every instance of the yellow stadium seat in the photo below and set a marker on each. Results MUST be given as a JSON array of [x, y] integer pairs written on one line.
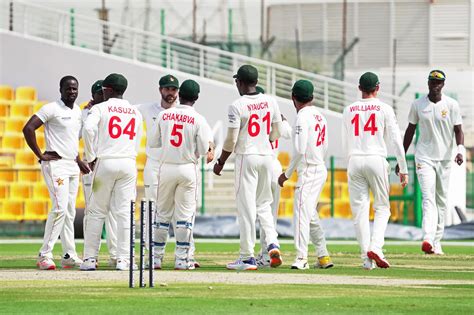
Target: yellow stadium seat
[[26, 93], [396, 190], [342, 209], [21, 190], [15, 124], [36, 210], [288, 208], [284, 158], [4, 109], [6, 160], [40, 140], [83, 104], [4, 190], [287, 191], [324, 211], [140, 182], [294, 177], [40, 191], [21, 109], [7, 175], [29, 175], [143, 142], [325, 195], [344, 191], [340, 175], [11, 210], [25, 158], [6, 93], [13, 141]]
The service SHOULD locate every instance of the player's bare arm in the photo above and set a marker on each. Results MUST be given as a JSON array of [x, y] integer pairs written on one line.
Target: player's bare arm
[[459, 134], [29, 131], [221, 162], [83, 166], [282, 179], [407, 139]]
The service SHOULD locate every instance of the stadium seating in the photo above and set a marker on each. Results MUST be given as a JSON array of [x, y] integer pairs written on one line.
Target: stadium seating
[[11, 210], [36, 210], [26, 93], [6, 93]]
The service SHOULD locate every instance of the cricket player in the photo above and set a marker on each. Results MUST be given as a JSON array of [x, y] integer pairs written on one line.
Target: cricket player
[[439, 120], [110, 222], [254, 122], [310, 144], [169, 86], [366, 123], [60, 166], [263, 259], [111, 133], [183, 136]]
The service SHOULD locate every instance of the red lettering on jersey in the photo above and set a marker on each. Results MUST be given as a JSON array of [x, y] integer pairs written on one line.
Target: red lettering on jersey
[[364, 108], [121, 110], [182, 118], [259, 106]]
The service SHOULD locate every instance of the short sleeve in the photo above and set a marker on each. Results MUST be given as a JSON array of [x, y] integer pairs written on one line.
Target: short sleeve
[[234, 116], [45, 113], [413, 115], [457, 119]]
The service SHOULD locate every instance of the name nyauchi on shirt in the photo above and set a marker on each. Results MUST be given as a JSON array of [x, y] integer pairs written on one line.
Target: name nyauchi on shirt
[[366, 124], [62, 127], [436, 123], [254, 116]]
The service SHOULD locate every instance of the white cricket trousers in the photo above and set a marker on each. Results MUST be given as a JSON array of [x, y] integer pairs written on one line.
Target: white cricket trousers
[[62, 179], [253, 175], [110, 222], [277, 170], [364, 173], [176, 201], [114, 183], [306, 222], [150, 179], [434, 182]]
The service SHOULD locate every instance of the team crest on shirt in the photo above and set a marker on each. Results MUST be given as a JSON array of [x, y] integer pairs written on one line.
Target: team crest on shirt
[[60, 181], [419, 166], [444, 113]]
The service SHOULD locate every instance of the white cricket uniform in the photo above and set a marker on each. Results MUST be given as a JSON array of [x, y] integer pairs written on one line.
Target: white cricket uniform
[[62, 128], [285, 134], [433, 157], [254, 115], [366, 123], [150, 112], [183, 136], [310, 144], [110, 222], [115, 127]]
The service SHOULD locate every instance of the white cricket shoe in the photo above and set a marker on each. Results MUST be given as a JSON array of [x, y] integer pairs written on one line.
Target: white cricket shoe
[[157, 263], [89, 264], [243, 264], [183, 264], [368, 264], [300, 263], [263, 261], [68, 262], [112, 262], [45, 263], [124, 265], [438, 250]]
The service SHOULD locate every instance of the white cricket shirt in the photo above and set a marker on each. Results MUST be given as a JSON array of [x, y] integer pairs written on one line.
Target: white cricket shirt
[[436, 125], [366, 123], [117, 125], [310, 141], [150, 112], [62, 127], [182, 134], [254, 116], [285, 134]]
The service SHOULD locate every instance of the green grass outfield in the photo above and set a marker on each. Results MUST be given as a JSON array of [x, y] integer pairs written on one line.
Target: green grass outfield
[[414, 284]]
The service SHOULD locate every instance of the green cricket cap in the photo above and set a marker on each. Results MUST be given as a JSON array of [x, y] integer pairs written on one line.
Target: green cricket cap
[[303, 89], [97, 87], [368, 81], [247, 73], [260, 89], [189, 89], [169, 81], [115, 81], [437, 75]]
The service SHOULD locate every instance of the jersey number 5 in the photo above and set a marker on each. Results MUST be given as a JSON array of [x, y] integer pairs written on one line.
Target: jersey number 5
[[254, 126], [369, 125], [115, 130], [178, 133]]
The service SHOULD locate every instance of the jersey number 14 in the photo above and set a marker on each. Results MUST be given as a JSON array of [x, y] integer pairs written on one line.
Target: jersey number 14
[[369, 126]]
